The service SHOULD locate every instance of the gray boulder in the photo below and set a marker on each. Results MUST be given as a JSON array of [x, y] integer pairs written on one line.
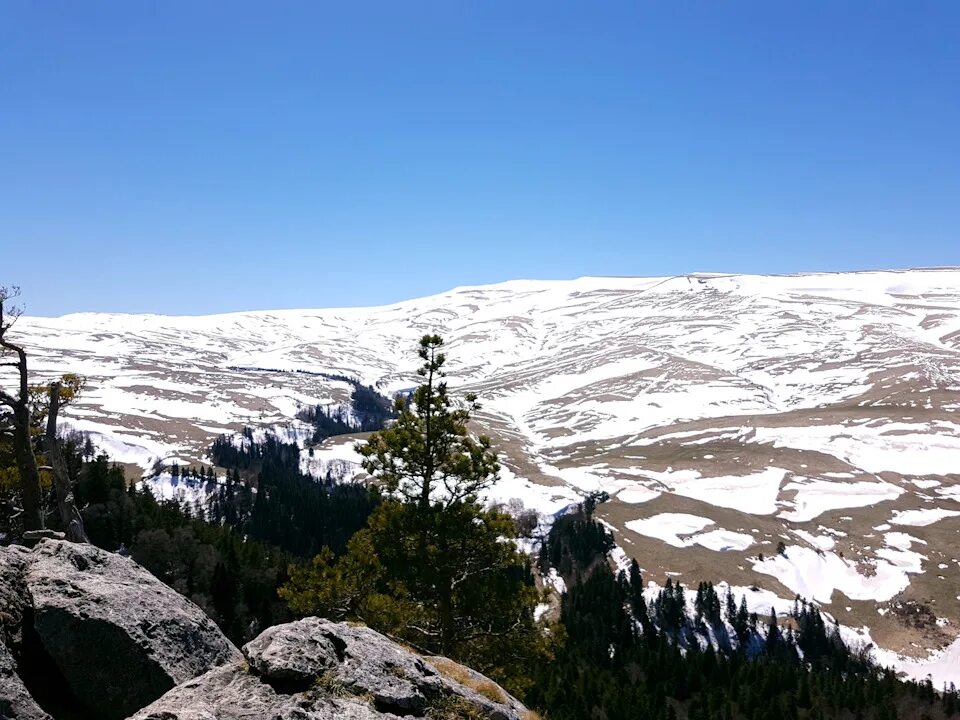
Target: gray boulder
[[14, 600], [314, 669], [119, 637], [233, 693], [15, 700]]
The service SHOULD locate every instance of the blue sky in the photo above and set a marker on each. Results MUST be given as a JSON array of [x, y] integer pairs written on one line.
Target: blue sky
[[193, 157]]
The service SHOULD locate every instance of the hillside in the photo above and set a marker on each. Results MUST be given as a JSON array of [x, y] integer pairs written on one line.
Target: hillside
[[723, 414]]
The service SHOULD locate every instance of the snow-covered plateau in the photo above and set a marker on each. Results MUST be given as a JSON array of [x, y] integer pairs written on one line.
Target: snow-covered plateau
[[797, 434]]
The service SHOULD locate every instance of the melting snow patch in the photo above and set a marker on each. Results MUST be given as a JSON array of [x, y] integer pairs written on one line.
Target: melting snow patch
[[942, 666], [722, 540], [756, 493], [620, 558], [816, 574], [815, 497], [669, 527], [337, 461], [638, 494], [123, 447], [921, 518], [761, 601], [952, 493], [546, 499], [915, 451], [185, 490], [821, 542], [901, 541], [554, 580]]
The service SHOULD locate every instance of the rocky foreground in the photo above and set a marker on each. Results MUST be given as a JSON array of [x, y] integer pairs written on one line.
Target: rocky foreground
[[89, 634]]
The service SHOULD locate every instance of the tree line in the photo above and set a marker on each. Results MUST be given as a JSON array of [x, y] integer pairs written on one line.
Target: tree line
[[624, 657], [369, 411]]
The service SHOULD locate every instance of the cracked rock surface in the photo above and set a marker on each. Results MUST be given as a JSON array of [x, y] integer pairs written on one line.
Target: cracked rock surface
[[85, 633], [98, 628], [315, 669]]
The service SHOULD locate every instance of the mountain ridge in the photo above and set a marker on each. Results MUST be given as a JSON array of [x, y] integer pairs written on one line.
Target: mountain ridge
[[723, 414], [469, 287]]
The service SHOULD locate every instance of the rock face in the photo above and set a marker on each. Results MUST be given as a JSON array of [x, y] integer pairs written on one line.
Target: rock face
[[15, 699], [314, 669], [14, 601], [115, 637], [88, 634]]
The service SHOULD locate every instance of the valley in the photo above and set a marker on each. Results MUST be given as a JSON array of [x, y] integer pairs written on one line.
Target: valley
[[788, 435]]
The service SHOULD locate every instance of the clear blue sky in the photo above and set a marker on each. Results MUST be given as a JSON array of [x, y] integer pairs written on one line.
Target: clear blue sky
[[192, 157]]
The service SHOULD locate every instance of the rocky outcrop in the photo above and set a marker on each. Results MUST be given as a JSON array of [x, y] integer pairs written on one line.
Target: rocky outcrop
[[15, 699], [109, 632], [89, 634], [14, 601], [316, 669]]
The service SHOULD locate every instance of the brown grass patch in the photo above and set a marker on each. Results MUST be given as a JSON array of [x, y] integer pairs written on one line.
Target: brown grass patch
[[458, 673]]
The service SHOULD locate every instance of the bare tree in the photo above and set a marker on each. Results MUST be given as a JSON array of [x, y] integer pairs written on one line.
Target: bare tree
[[19, 414]]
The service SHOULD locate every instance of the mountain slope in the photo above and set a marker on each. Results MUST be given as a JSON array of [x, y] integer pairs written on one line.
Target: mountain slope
[[724, 414]]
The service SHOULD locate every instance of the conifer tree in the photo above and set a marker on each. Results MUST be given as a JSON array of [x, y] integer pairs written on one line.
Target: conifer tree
[[432, 566]]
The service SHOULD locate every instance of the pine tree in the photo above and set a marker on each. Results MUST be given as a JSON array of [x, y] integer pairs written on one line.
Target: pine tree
[[741, 622], [432, 566]]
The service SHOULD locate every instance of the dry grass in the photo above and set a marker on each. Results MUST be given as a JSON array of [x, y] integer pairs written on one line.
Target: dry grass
[[458, 673], [453, 707], [331, 686]]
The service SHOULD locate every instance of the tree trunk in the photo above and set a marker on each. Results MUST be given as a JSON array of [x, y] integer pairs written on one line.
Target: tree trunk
[[423, 508], [69, 515], [446, 620], [29, 472], [31, 492]]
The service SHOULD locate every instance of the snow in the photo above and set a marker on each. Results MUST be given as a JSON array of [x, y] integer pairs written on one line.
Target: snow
[[756, 493], [760, 601], [816, 574], [901, 541], [915, 449], [122, 446], [815, 497], [575, 376], [621, 560], [553, 580], [335, 457], [951, 493], [921, 518], [821, 542], [546, 499], [669, 527], [184, 490], [941, 666], [638, 494], [723, 540]]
